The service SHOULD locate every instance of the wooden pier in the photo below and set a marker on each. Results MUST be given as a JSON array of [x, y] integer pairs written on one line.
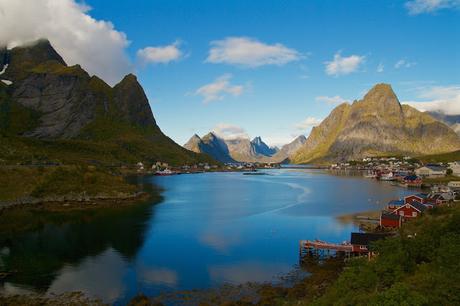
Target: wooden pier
[[322, 249]]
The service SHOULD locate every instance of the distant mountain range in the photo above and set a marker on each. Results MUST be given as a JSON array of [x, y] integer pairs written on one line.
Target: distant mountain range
[[376, 125], [53, 112], [451, 120], [241, 149]]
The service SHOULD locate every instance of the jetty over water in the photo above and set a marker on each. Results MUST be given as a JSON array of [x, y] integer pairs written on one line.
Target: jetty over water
[[318, 248]]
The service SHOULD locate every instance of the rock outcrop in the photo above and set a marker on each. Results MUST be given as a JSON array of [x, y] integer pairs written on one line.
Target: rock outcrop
[[50, 101], [376, 125], [211, 145], [286, 151], [231, 150]]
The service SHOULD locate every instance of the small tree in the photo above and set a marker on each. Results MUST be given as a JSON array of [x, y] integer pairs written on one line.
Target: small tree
[[449, 171]]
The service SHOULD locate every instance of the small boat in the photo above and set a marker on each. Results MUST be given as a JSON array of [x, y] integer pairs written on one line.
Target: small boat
[[254, 173], [165, 172]]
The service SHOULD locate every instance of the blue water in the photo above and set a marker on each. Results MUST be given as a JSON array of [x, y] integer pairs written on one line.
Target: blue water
[[204, 231]]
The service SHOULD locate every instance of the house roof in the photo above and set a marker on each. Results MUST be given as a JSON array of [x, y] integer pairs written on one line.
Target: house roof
[[435, 167], [411, 178], [365, 238], [396, 202], [419, 206], [422, 195], [390, 216]]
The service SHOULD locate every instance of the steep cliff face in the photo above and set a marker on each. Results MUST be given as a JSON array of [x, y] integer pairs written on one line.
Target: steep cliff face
[[46, 99], [231, 150], [130, 99], [212, 145], [451, 120], [376, 125], [261, 148], [289, 149]]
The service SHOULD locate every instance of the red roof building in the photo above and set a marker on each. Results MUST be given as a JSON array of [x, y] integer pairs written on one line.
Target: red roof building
[[388, 219], [410, 210]]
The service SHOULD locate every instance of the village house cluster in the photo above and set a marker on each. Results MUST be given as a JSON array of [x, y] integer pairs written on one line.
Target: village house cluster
[[413, 206]]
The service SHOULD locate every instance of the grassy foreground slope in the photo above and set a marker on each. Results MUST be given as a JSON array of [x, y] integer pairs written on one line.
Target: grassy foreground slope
[[44, 182], [418, 267]]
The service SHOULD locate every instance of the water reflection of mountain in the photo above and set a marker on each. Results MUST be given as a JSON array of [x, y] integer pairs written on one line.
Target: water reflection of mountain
[[56, 240]]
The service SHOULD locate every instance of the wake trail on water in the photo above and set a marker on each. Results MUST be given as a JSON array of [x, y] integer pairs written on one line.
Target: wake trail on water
[[300, 198]]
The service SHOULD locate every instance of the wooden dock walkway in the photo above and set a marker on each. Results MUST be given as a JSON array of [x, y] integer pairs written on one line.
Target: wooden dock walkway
[[322, 249]]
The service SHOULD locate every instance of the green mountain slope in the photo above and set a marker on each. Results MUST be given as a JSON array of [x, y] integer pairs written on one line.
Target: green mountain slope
[[53, 112]]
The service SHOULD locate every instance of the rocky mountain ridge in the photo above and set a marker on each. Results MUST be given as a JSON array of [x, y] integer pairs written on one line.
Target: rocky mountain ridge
[[376, 125], [46, 100], [241, 149]]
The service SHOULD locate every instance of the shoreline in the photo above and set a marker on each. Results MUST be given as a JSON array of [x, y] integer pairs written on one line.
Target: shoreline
[[71, 202]]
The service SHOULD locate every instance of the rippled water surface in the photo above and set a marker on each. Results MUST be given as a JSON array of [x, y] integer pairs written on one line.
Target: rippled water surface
[[198, 231]]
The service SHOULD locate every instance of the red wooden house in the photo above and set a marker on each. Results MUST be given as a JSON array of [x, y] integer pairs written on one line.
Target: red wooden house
[[389, 219], [410, 210], [412, 181], [420, 197]]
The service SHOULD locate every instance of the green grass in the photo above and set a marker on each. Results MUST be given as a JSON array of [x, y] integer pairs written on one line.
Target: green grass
[[440, 158], [441, 180], [418, 267], [40, 182]]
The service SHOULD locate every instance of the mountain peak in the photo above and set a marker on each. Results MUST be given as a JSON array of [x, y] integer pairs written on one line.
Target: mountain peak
[[381, 93], [210, 135], [35, 53], [132, 101]]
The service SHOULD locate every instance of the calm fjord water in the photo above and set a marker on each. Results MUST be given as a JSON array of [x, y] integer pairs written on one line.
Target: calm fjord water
[[199, 231]]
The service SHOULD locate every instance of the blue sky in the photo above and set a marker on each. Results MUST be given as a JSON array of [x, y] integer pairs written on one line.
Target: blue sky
[[279, 67]]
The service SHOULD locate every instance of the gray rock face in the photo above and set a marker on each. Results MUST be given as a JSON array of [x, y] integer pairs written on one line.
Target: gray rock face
[[261, 148], [63, 100], [231, 150], [289, 149], [67, 98], [212, 145], [130, 98], [451, 120]]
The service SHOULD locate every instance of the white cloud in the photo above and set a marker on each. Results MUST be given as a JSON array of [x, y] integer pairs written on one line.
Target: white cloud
[[160, 54], [416, 7], [344, 65], [330, 100], [402, 63], [380, 68], [78, 37], [230, 131], [243, 51], [308, 123], [280, 139], [219, 88], [444, 99]]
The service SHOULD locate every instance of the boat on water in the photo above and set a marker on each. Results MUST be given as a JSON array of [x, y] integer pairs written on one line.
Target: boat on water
[[165, 172], [254, 173]]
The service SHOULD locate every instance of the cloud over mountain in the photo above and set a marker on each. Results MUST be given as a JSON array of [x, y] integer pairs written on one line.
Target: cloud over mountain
[[78, 37], [444, 99]]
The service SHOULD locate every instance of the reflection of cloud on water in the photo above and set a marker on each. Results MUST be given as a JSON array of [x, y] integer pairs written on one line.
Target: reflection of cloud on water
[[219, 242], [100, 276], [158, 276], [238, 273]]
